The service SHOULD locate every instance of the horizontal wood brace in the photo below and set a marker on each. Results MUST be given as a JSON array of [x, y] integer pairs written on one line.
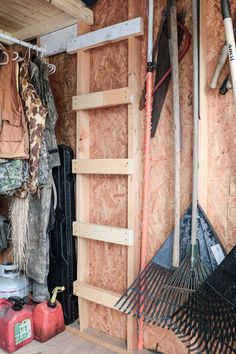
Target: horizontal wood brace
[[116, 235], [102, 99], [96, 295], [103, 166], [114, 33]]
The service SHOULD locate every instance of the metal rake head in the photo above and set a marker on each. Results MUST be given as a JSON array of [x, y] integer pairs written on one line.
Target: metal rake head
[[143, 290], [207, 320], [181, 284]]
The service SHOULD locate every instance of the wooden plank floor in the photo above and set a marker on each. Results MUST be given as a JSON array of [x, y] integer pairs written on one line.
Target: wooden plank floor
[[64, 343]]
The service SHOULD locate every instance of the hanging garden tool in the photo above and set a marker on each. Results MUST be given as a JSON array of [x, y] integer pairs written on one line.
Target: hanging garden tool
[[192, 272], [146, 163], [162, 63], [229, 33], [149, 283], [207, 321]]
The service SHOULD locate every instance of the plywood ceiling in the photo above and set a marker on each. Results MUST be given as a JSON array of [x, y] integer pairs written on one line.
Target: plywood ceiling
[[17, 14], [27, 19]]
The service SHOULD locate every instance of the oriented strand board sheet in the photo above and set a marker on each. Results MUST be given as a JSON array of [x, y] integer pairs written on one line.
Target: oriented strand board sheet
[[64, 88], [108, 205], [221, 137], [108, 194]]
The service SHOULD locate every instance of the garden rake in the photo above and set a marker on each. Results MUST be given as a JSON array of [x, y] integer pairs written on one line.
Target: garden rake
[[207, 321]]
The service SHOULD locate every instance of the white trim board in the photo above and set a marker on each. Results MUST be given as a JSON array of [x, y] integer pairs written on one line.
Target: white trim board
[[115, 33], [56, 42]]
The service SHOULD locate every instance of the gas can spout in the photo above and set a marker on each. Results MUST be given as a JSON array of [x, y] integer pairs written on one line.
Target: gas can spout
[[52, 301]]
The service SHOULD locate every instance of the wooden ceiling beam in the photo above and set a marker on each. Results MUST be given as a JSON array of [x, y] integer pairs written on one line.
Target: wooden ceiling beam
[[75, 8], [46, 26]]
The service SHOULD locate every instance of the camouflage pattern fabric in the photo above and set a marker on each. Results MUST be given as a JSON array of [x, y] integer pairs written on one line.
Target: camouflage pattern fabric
[[46, 95], [12, 175], [43, 159], [43, 164], [38, 247], [35, 114]]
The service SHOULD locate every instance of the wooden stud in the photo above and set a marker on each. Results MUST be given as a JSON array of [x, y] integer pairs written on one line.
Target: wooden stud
[[102, 99], [111, 34], [46, 26], [117, 235], [135, 152], [82, 181], [96, 295], [75, 8], [103, 166]]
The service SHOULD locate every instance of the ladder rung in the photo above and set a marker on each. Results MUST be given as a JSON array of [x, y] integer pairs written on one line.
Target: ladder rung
[[95, 294], [103, 166], [114, 33], [117, 235], [102, 99]]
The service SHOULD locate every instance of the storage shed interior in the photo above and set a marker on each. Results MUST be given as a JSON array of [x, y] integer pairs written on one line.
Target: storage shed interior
[[106, 266]]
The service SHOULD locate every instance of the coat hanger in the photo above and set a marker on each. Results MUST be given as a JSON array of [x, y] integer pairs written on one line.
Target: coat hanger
[[4, 52], [51, 69]]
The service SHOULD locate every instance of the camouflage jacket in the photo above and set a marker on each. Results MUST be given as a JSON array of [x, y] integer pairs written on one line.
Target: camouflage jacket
[[35, 114], [43, 87]]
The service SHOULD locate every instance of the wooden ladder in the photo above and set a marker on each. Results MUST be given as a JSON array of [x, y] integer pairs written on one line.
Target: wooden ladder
[[83, 166]]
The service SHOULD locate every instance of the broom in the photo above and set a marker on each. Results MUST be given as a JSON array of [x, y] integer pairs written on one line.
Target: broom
[[208, 319]]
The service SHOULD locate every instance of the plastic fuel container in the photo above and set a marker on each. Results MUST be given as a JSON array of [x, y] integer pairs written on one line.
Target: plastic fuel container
[[48, 318], [16, 324]]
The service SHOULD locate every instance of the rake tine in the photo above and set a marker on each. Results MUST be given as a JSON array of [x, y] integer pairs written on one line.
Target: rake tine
[[158, 278], [135, 289], [135, 283], [135, 295], [146, 291], [166, 294], [155, 300]]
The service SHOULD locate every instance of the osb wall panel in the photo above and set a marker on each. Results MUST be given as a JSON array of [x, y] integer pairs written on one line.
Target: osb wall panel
[[222, 138], [108, 194], [64, 87]]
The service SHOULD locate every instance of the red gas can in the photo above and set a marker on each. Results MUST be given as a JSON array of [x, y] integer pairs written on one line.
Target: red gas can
[[16, 325], [48, 318]]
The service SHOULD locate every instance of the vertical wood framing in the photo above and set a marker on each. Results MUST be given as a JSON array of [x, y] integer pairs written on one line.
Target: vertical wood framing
[[82, 181], [134, 151], [203, 110]]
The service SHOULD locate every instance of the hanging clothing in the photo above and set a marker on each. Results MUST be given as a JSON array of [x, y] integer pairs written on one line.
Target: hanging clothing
[[43, 159], [35, 113], [38, 248], [46, 95], [14, 139], [13, 173]]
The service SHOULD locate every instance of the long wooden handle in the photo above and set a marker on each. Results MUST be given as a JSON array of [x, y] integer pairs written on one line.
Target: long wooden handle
[[195, 132], [221, 62], [176, 116]]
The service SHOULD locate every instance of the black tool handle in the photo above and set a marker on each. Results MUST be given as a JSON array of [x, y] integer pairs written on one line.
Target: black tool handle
[[225, 7], [223, 88]]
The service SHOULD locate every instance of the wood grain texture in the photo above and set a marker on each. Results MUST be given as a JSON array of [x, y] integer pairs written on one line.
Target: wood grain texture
[[109, 139], [108, 194], [63, 84], [221, 137]]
